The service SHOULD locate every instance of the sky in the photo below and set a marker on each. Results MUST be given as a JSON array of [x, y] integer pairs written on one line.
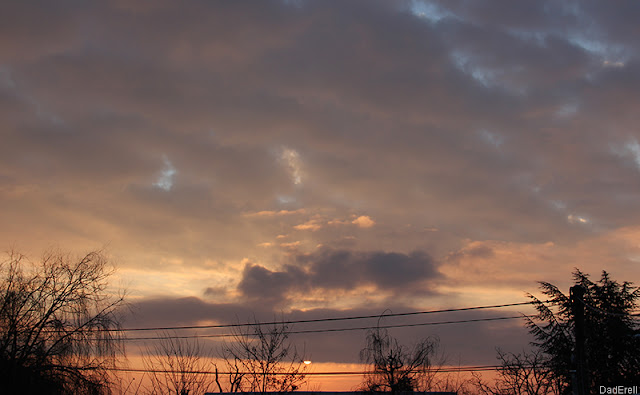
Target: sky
[[312, 159]]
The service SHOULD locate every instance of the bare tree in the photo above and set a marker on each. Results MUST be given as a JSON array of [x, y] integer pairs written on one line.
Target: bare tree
[[448, 381], [394, 367], [453, 382], [261, 359], [177, 366], [56, 318], [521, 374]]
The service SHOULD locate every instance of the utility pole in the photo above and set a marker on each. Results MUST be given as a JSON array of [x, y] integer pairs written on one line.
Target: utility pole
[[577, 308]]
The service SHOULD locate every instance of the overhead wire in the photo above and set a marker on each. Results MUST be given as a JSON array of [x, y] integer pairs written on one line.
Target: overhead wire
[[478, 368], [598, 310], [329, 330], [334, 329], [330, 319]]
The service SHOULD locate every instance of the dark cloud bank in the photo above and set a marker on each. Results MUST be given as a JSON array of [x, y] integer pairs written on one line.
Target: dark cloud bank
[[267, 291], [340, 270]]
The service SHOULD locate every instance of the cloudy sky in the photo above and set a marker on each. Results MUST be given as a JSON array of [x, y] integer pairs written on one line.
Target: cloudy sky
[[323, 158]]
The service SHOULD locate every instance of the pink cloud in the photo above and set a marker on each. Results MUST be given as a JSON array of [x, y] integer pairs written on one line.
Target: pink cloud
[[364, 221]]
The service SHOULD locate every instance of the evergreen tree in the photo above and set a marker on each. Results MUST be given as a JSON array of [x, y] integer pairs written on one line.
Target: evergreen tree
[[612, 343]]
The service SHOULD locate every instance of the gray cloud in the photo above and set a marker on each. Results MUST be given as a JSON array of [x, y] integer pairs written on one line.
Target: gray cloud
[[340, 270], [262, 283], [290, 82]]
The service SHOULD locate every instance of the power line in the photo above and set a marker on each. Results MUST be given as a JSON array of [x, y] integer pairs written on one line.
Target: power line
[[598, 310], [478, 368], [335, 329], [360, 317]]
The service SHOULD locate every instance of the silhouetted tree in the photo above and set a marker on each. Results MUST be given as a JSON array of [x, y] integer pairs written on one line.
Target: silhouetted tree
[[176, 366], [447, 381], [521, 374], [394, 367], [55, 318], [261, 359], [612, 347]]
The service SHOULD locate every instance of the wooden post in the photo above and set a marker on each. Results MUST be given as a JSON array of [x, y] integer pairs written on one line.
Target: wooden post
[[577, 307]]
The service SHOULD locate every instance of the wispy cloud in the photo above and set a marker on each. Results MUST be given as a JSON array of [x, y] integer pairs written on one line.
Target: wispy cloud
[[292, 160], [167, 174], [313, 224], [272, 213]]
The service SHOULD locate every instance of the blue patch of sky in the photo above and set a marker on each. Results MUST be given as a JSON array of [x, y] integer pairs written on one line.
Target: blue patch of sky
[[630, 149], [490, 78], [285, 199], [165, 179], [464, 63], [558, 205], [606, 52], [492, 138], [429, 11], [634, 149], [568, 110], [7, 81], [485, 76]]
